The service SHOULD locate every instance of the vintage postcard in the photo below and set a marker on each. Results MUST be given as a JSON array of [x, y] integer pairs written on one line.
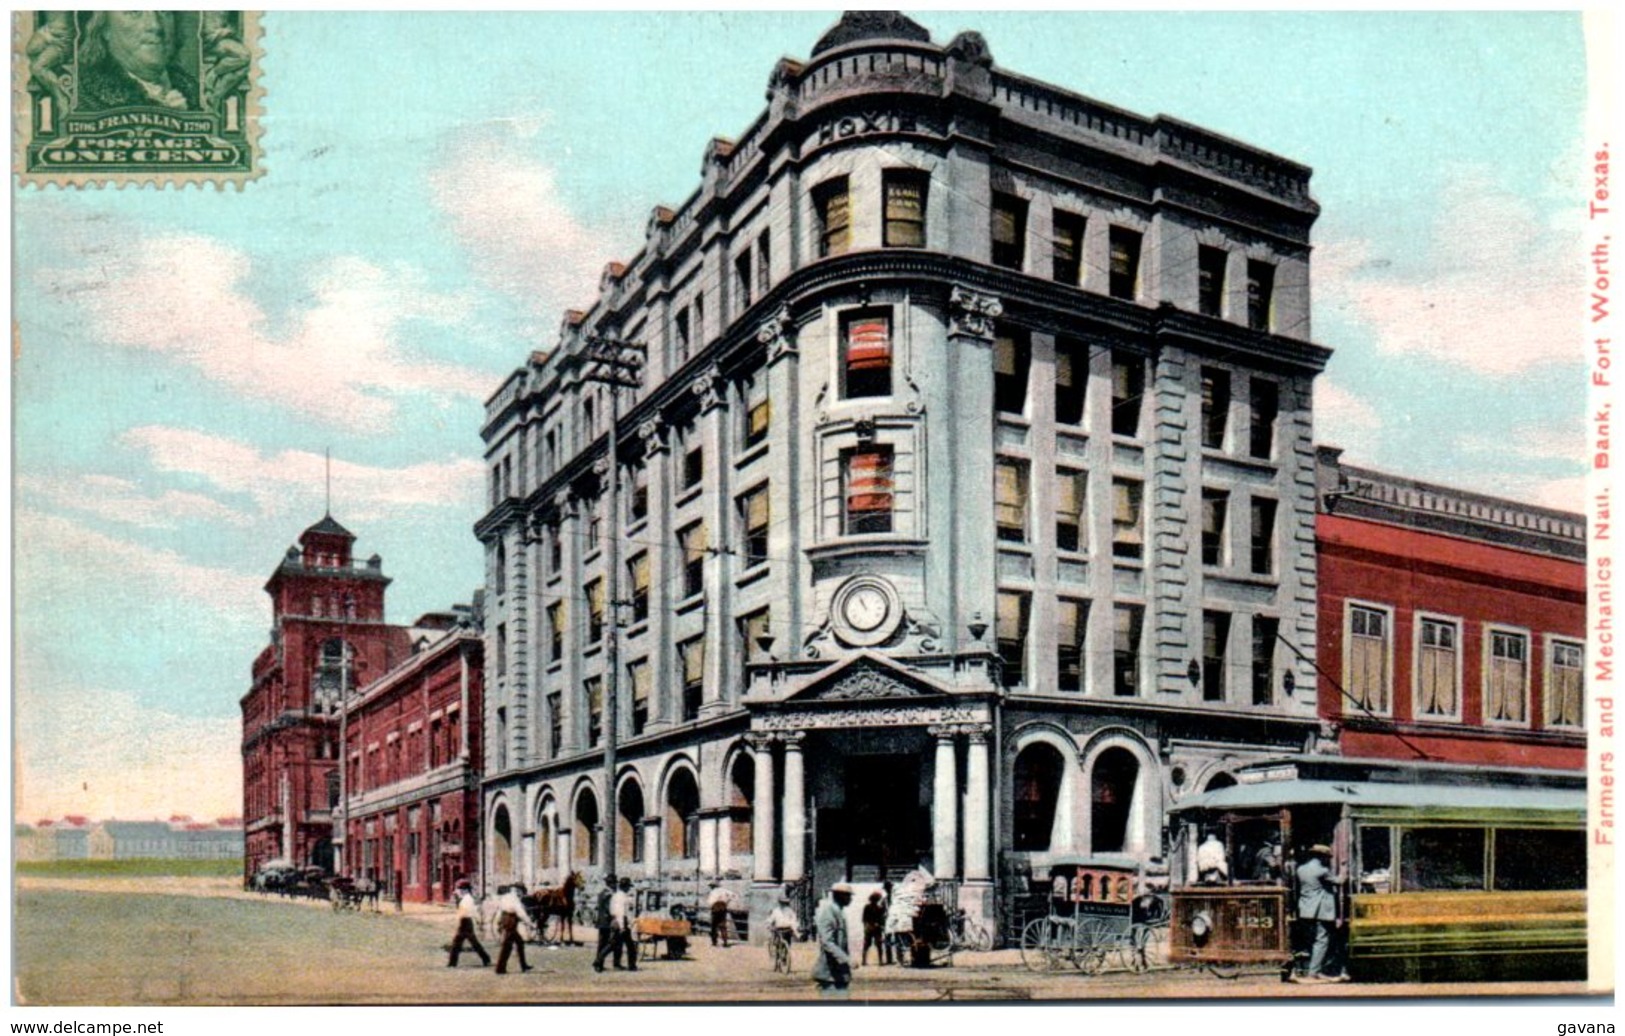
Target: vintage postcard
[[870, 506]]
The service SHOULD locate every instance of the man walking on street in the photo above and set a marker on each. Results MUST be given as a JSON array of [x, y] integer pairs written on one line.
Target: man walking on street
[[833, 968], [511, 909], [621, 918], [601, 917], [466, 911], [719, 901]]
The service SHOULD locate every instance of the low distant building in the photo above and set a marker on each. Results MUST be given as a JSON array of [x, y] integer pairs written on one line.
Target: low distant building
[[133, 840], [1452, 624], [63, 839], [412, 757]]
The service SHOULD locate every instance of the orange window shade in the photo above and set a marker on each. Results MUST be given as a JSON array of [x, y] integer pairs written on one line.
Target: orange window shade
[[868, 344], [869, 481]]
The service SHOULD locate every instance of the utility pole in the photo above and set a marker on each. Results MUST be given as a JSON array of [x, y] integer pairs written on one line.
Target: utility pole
[[618, 364], [341, 829]]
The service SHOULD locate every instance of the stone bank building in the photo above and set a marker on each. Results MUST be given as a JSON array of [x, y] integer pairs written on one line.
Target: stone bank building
[[966, 498]]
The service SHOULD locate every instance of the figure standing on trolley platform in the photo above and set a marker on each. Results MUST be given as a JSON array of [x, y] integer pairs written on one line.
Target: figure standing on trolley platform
[[1318, 905]]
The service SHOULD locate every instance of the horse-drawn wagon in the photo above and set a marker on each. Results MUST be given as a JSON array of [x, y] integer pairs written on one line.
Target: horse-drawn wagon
[[1102, 910]]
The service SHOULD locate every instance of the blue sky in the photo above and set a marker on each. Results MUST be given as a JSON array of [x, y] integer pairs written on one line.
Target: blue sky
[[441, 187]]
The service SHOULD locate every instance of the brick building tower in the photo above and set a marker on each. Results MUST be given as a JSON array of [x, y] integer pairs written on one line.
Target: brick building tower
[[327, 633]]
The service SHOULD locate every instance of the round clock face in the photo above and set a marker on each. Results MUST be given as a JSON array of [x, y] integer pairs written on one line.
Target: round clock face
[[866, 608]]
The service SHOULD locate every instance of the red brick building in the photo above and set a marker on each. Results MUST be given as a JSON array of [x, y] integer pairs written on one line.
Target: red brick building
[[327, 633], [1452, 625], [412, 745]]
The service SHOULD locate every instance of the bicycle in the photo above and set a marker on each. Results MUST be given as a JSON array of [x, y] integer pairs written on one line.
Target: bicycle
[[778, 945], [968, 934]]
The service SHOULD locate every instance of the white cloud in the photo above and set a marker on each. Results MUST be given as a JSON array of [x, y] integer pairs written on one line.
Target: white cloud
[[102, 754], [1537, 442], [56, 555], [522, 238], [338, 360], [120, 500], [1494, 289], [1342, 418], [295, 479]]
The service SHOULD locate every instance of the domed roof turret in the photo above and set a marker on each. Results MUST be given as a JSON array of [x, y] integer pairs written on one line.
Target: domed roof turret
[[871, 25]]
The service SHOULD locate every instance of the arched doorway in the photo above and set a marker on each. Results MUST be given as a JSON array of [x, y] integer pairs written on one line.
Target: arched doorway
[[741, 804], [1036, 791], [1113, 799], [1220, 780], [585, 840], [629, 823], [501, 844], [546, 837], [682, 815]]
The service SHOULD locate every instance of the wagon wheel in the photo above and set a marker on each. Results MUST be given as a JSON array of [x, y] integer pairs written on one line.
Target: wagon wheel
[[1146, 945], [1037, 946], [1089, 947]]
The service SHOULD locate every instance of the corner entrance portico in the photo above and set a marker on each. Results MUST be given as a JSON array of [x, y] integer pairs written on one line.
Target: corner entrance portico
[[867, 770]]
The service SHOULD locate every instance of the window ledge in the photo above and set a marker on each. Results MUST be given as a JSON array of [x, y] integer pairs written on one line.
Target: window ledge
[[1023, 548], [636, 628], [1132, 564], [690, 603], [751, 454], [1258, 464], [867, 544], [688, 495], [555, 666], [751, 575], [637, 526], [591, 556]]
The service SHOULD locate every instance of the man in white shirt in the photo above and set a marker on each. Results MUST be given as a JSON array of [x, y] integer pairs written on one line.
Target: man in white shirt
[[510, 909], [620, 920], [1211, 866], [467, 910], [720, 901]]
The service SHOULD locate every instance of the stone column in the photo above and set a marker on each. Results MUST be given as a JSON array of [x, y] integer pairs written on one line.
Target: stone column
[[712, 427], [761, 825], [978, 805], [725, 841], [944, 806], [708, 844], [795, 809], [651, 846], [566, 852]]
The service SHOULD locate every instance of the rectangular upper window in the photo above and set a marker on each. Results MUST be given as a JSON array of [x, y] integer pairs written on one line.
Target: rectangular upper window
[[905, 191], [1263, 536], [1565, 684], [1506, 678], [753, 630], [1128, 393], [693, 543], [1263, 409], [753, 521], [691, 653], [1011, 631], [637, 571], [764, 263], [1438, 668], [1127, 621], [637, 507], [1071, 495], [1010, 499], [1128, 533], [832, 205], [867, 489], [693, 467], [681, 335], [1260, 295], [593, 687], [1215, 648], [1012, 365], [1066, 248], [1265, 633], [1125, 263], [595, 611], [1215, 514], [1215, 407], [639, 676], [1365, 657], [555, 631], [1210, 264], [742, 274], [555, 725], [1071, 631], [1071, 380], [758, 411], [1009, 230], [866, 355]]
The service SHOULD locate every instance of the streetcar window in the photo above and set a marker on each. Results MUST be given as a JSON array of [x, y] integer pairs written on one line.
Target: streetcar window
[[1441, 858], [1376, 859], [1528, 860]]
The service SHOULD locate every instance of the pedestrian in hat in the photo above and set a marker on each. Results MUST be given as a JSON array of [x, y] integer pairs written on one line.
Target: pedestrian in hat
[[1317, 906], [832, 971], [720, 901], [466, 911], [511, 909], [874, 922], [605, 921], [622, 913]]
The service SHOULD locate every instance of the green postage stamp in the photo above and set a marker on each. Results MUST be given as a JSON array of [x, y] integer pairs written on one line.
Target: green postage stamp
[[116, 97]]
